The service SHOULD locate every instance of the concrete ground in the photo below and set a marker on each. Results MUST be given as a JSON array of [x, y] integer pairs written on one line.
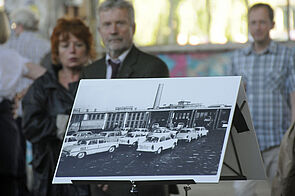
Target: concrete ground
[[224, 188]]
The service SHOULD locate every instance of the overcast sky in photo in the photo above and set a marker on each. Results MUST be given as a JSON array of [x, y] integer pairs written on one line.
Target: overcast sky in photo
[[105, 94]]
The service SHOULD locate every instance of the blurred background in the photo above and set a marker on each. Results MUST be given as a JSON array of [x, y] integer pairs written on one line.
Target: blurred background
[[193, 37]]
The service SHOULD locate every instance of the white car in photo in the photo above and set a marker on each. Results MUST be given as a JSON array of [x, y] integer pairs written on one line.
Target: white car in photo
[[164, 130], [70, 140], [83, 135], [201, 131], [87, 147], [144, 131], [125, 130], [157, 142], [132, 138], [111, 136], [180, 125], [187, 134]]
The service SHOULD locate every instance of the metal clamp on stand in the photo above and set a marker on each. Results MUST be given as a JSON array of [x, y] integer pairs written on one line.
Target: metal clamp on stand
[[134, 188], [186, 189]]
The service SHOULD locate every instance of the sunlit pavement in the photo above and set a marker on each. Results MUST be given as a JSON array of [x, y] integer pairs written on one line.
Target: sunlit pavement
[[221, 189]]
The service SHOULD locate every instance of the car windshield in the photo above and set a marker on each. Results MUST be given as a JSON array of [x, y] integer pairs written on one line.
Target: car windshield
[[184, 131], [158, 131], [72, 139], [152, 139], [82, 142], [162, 130], [130, 135]]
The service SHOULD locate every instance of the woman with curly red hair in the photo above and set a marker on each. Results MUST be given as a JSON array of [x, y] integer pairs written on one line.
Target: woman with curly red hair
[[50, 99]]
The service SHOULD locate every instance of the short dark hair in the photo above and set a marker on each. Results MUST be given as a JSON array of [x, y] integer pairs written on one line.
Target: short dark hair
[[263, 5], [122, 4]]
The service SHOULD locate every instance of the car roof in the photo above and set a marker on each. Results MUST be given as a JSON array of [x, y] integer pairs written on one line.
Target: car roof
[[84, 132], [160, 134], [109, 131]]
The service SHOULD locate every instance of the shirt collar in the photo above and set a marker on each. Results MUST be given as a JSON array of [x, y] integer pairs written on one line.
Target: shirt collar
[[121, 58], [272, 49]]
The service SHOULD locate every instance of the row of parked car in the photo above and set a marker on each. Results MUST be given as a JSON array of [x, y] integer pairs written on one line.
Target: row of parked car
[[161, 138]]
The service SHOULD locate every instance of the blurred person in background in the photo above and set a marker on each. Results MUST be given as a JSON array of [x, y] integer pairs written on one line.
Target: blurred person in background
[[28, 43], [12, 68], [50, 99], [124, 60], [284, 180], [26, 40], [268, 72]]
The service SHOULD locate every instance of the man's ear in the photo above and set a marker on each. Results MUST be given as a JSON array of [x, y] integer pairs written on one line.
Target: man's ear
[[273, 24], [19, 29]]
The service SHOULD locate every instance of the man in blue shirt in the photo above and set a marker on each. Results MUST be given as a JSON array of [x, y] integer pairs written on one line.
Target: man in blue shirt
[[267, 70]]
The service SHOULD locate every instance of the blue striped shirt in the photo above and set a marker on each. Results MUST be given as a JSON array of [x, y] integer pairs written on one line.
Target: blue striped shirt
[[269, 78]]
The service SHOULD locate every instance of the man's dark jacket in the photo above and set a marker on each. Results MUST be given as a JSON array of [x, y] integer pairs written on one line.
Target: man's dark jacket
[[137, 64]]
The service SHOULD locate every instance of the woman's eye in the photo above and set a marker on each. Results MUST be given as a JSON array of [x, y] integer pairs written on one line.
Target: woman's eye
[[79, 44], [64, 45]]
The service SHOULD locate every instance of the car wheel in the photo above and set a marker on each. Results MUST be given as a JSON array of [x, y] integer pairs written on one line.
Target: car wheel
[[134, 144], [81, 155], [159, 150], [112, 149]]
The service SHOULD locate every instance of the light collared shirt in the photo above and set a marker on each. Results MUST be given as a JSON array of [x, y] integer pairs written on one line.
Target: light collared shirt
[[269, 78], [31, 46], [120, 59], [12, 68]]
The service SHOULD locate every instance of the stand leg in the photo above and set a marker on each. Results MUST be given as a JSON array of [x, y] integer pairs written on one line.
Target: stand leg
[[186, 189], [134, 188]]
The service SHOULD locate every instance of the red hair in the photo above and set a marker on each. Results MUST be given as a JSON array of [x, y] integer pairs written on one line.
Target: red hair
[[76, 27]]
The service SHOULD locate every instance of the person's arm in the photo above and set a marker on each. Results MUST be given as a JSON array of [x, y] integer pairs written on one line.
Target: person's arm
[[290, 81], [34, 71], [292, 98], [38, 123]]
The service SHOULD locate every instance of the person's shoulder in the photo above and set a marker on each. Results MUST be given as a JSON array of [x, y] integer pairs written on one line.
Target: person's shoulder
[[12, 56], [151, 62], [49, 79], [281, 47], [149, 57], [9, 52], [242, 50], [148, 64], [34, 38], [44, 79], [94, 65], [94, 69], [11, 63], [39, 86]]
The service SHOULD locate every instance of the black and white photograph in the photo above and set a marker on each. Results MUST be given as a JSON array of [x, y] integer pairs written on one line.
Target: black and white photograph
[[148, 129]]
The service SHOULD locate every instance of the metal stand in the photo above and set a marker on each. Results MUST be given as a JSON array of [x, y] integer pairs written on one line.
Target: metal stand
[[186, 189], [134, 188]]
